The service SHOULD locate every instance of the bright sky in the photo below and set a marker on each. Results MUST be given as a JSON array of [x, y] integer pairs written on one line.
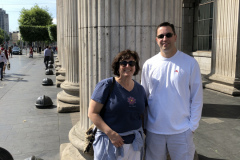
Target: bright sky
[[13, 8]]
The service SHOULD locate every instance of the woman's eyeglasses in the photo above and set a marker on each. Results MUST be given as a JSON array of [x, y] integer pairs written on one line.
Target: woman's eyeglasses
[[168, 35], [124, 63]]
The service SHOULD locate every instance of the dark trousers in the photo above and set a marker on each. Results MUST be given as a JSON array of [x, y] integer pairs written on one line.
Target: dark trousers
[[46, 60], [1, 67]]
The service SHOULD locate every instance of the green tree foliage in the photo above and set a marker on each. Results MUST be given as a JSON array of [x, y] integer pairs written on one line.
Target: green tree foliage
[[34, 33], [2, 35], [33, 24], [52, 30], [35, 16]]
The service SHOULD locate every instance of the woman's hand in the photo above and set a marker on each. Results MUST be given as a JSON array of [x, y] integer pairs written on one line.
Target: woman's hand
[[93, 113], [115, 138]]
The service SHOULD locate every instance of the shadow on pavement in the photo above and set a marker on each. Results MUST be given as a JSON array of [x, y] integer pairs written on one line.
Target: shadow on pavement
[[50, 107], [201, 157], [221, 111], [18, 74], [14, 77]]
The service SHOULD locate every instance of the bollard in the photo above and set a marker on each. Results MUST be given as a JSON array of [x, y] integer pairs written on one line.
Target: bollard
[[43, 101], [47, 82]]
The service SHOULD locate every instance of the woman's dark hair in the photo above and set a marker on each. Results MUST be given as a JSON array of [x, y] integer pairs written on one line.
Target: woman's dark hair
[[124, 55]]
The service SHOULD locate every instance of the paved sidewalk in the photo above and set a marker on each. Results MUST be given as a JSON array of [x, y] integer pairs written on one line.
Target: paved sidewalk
[[26, 130], [218, 135]]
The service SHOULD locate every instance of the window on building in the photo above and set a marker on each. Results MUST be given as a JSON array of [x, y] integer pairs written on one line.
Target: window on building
[[203, 21]]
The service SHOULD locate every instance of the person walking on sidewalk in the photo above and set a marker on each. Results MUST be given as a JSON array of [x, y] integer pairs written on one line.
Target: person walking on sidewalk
[[3, 61], [172, 82], [47, 54], [10, 51], [6, 55], [31, 52]]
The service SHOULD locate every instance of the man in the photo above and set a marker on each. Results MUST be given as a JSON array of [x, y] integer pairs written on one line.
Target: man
[[172, 82], [47, 54]]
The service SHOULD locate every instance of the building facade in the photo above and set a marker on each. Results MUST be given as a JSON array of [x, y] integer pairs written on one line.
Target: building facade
[[93, 32], [4, 20], [15, 37]]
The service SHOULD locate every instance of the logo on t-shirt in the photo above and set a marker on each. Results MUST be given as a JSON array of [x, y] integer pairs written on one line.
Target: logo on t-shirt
[[131, 101]]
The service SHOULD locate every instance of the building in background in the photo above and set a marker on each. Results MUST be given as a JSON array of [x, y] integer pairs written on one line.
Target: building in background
[[4, 20], [15, 37]]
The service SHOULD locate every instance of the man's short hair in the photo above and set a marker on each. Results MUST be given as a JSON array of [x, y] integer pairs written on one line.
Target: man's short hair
[[166, 24]]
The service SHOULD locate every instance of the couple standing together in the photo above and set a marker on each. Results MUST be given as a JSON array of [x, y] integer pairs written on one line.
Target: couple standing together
[[167, 104]]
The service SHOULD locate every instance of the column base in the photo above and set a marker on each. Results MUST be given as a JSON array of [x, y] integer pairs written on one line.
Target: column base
[[68, 99], [72, 153], [222, 88], [57, 69], [74, 150], [59, 80], [67, 107], [223, 84]]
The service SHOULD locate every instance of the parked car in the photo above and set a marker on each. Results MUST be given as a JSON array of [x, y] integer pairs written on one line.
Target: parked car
[[16, 50]]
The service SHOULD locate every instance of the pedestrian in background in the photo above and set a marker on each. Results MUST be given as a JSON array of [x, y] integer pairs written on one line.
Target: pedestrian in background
[[47, 54], [3, 61], [172, 81], [31, 52], [6, 55], [10, 51]]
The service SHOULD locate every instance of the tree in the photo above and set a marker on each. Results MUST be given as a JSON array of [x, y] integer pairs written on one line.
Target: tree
[[52, 30], [3, 35], [33, 24], [35, 16], [34, 33]]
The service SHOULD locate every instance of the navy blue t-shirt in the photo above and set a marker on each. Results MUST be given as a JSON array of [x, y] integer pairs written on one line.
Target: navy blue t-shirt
[[123, 109]]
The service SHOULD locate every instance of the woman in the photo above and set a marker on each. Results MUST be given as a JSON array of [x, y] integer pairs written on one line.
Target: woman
[[4, 51], [10, 51], [120, 134], [3, 61]]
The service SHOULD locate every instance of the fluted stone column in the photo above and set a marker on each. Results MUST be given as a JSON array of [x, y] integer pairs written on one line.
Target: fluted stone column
[[62, 27], [225, 70], [106, 28], [68, 99], [58, 58]]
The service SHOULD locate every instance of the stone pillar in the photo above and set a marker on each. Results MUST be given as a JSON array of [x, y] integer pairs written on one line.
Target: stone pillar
[[68, 99], [225, 70], [58, 59], [106, 28], [61, 48]]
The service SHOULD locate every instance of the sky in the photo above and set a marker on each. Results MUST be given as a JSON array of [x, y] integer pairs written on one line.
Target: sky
[[13, 8]]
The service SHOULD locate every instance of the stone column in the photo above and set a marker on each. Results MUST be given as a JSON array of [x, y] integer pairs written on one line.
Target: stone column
[[61, 48], [68, 99], [225, 69], [58, 59], [106, 28]]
